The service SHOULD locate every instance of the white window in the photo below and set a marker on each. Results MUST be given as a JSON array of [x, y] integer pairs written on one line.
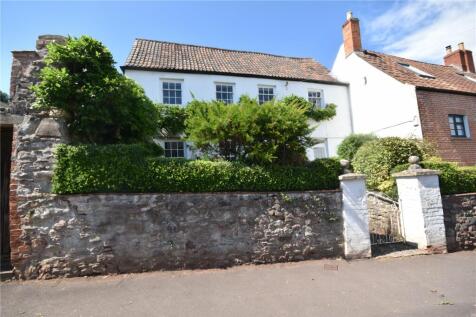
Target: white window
[[224, 92], [265, 94], [172, 93], [416, 70], [320, 150], [315, 97], [174, 149]]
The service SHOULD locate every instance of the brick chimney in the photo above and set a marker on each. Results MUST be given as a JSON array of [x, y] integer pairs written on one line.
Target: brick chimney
[[351, 33], [462, 58]]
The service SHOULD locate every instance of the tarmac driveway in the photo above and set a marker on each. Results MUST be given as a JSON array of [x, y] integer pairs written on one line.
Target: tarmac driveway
[[432, 285]]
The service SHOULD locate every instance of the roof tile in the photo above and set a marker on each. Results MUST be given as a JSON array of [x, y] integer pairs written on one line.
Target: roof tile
[[446, 77], [159, 55]]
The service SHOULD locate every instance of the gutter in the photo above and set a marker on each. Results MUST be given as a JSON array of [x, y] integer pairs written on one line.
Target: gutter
[[327, 82], [457, 92]]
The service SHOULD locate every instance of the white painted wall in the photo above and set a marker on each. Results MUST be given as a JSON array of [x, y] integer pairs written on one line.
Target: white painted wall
[[380, 103], [422, 210], [355, 216], [202, 86]]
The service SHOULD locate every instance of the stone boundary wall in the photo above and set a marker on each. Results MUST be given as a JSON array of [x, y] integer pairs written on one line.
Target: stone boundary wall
[[383, 214], [79, 235], [460, 221]]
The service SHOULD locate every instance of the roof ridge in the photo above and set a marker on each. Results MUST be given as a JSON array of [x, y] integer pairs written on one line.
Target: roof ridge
[[226, 49]]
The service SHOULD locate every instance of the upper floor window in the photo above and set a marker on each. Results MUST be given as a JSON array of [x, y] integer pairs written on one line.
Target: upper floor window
[[265, 94], [174, 149], [172, 93], [458, 125], [315, 97], [224, 92]]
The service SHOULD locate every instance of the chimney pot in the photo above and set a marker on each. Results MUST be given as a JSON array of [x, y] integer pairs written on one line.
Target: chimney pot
[[448, 49], [348, 15], [461, 46]]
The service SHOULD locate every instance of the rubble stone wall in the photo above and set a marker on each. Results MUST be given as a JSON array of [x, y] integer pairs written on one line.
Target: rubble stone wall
[[460, 221]]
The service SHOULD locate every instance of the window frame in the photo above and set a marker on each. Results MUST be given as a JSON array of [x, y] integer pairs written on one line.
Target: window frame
[[176, 149], [232, 85], [266, 87], [417, 71], [462, 124], [321, 97], [171, 81]]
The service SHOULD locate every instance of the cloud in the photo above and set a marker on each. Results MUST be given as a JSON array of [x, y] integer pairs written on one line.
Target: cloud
[[422, 29]]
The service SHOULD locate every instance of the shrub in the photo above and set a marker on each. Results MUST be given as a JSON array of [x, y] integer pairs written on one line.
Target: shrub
[[349, 146], [171, 120], [136, 168], [453, 178], [98, 103], [377, 158], [274, 132], [116, 167]]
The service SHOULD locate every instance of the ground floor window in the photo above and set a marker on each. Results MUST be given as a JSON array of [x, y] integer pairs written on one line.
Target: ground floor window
[[174, 149], [320, 150]]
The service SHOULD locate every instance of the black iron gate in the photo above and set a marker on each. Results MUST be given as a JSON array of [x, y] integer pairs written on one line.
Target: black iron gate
[[384, 220]]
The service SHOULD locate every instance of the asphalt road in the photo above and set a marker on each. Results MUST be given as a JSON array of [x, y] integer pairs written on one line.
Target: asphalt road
[[432, 285]]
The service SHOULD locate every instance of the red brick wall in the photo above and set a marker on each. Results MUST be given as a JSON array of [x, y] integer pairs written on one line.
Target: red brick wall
[[434, 109], [351, 34], [17, 246]]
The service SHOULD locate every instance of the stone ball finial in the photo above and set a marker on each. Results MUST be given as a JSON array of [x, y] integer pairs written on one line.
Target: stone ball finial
[[414, 162], [345, 164]]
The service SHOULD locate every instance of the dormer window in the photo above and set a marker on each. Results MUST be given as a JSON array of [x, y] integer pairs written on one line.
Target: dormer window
[[470, 78], [417, 71]]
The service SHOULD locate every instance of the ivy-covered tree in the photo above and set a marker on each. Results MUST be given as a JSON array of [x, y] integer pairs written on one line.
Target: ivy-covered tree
[[274, 132], [98, 103], [4, 97]]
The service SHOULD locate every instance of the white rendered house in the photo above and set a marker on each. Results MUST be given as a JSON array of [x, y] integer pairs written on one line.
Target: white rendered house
[[395, 96], [173, 73]]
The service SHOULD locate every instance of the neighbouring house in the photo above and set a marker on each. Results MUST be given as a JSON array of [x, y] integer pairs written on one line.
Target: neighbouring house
[[173, 73], [394, 96]]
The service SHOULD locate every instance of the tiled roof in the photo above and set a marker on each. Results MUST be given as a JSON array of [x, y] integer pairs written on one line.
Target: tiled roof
[[166, 56], [445, 77]]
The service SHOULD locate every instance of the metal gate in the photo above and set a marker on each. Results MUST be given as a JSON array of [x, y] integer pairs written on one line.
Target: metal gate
[[384, 220]]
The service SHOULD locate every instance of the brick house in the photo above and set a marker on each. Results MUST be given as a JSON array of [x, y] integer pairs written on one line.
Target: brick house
[[394, 96]]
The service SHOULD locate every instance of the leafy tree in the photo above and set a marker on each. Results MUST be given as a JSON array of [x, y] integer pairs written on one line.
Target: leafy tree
[[274, 132], [171, 120], [4, 97], [98, 103]]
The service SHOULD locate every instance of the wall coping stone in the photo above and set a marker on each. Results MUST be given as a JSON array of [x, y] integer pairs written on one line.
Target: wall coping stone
[[351, 176], [416, 172]]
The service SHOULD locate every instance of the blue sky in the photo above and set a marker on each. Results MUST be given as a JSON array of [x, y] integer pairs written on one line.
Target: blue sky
[[413, 29]]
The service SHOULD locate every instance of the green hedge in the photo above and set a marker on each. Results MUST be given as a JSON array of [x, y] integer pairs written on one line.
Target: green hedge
[[453, 178], [136, 168]]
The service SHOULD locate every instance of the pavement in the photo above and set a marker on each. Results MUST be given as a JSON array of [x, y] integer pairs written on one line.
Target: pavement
[[424, 285]]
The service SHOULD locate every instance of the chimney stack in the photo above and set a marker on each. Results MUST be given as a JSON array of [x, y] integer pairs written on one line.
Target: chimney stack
[[461, 59], [351, 33]]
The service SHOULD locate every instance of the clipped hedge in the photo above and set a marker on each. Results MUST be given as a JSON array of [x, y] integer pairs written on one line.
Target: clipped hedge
[[136, 168], [453, 178]]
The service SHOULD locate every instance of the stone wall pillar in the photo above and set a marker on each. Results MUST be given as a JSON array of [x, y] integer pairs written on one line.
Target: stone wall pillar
[[421, 207], [356, 216]]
